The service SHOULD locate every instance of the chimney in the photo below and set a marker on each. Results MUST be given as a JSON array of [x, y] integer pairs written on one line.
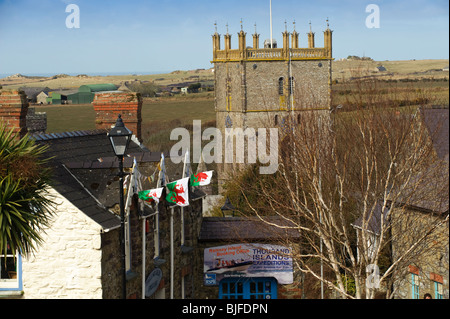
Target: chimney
[[109, 105], [13, 111]]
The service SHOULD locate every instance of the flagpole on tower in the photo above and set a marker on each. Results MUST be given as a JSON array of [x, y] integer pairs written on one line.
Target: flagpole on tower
[[271, 30]]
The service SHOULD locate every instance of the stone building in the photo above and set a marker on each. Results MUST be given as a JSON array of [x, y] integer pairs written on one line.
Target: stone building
[[428, 271], [269, 87]]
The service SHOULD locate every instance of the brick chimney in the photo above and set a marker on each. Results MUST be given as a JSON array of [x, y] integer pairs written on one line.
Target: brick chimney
[[13, 110], [109, 105]]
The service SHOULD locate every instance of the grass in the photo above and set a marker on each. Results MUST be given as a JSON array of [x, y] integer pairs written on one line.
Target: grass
[[66, 118], [82, 117], [403, 91], [159, 117]]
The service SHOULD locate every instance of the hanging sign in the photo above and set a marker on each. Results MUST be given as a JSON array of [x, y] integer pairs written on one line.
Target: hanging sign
[[152, 282]]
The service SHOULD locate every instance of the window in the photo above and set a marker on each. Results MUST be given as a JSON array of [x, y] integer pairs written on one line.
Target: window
[[248, 288], [291, 85], [10, 272], [228, 94], [276, 119], [415, 286], [438, 290], [281, 86]]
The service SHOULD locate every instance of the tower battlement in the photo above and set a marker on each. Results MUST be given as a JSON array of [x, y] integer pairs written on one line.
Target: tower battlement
[[289, 51]]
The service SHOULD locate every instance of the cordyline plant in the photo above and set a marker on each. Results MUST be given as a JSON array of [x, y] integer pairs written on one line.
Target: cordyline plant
[[25, 205]]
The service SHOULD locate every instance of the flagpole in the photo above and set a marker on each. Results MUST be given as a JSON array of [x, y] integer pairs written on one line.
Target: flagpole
[[271, 30], [185, 174], [144, 250], [172, 257], [185, 171]]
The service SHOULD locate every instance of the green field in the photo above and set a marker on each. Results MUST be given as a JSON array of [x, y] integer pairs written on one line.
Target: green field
[[82, 117], [158, 118]]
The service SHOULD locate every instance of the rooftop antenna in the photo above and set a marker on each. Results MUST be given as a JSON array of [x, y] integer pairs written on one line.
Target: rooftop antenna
[[215, 25], [271, 30], [242, 27]]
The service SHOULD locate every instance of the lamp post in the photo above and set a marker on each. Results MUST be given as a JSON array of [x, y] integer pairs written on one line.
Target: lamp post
[[120, 138]]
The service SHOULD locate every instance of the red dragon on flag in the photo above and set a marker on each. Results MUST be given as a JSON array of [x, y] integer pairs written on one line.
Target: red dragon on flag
[[178, 192], [201, 179]]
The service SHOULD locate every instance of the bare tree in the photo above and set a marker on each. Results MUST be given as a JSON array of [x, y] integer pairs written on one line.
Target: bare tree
[[346, 182]]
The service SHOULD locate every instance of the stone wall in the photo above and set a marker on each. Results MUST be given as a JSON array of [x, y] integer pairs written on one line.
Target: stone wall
[[186, 261], [255, 86], [36, 121], [68, 264], [429, 261]]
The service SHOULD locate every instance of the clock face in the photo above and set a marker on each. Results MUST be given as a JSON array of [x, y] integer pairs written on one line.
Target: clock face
[[228, 122]]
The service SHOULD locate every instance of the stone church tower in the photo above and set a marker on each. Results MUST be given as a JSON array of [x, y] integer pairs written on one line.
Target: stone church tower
[[263, 87]]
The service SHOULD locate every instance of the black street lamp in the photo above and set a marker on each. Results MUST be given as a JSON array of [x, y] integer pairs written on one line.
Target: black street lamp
[[120, 138]]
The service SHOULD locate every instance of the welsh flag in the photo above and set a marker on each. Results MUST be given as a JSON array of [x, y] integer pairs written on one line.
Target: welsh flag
[[201, 179], [178, 192], [152, 195]]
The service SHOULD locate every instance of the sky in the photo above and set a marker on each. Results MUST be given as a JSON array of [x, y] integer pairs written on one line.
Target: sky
[[147, 36]]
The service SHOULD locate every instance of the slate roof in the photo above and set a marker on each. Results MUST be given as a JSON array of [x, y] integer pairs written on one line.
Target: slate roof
[[437, 122], [33, 92], [216, 229], [80, 147], [85, 171]]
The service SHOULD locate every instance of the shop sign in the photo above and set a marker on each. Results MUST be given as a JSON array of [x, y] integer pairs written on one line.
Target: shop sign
[[249, 260]]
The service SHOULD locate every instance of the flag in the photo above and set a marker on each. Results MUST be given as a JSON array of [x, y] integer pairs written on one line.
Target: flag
[[152, 195], [133, 186], [201, 179], [178, 192], [162, 171]]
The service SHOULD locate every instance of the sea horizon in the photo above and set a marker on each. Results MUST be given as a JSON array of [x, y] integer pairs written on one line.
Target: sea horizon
[[4, 75]]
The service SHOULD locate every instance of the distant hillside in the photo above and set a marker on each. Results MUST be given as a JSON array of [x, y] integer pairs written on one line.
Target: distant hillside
[[342, 69], [67, 81], [345, 69]]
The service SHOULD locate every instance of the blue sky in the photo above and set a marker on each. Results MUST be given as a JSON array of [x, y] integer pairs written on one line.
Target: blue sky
[[142, 36]]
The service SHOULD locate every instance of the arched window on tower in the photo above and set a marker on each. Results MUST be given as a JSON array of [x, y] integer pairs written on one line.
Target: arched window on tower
[[281, 86], [276, 119]]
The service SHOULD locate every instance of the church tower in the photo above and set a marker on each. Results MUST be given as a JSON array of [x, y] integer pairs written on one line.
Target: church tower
[[263, 87]]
